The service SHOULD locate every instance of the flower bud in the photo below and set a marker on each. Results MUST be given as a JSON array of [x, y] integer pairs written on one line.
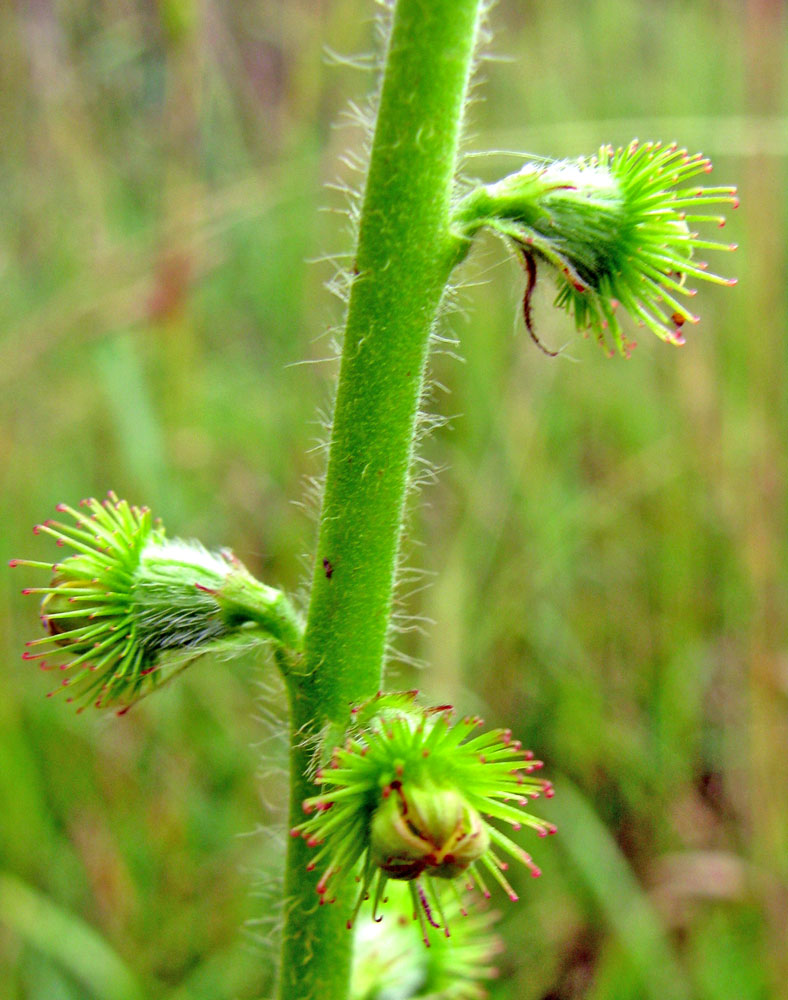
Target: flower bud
[[426, 829], [388, 962], [614, 229], [410, 795], [130, 608]]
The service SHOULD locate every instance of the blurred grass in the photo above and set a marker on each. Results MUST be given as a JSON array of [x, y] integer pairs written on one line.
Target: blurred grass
[[608, 538]]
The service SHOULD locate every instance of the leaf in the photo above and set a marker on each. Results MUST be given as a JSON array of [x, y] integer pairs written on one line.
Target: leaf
[[624, 903], [69, 941]]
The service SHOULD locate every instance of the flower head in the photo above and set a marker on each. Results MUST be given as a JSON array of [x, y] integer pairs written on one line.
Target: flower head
[[615, 229], [130, 607], [410, 795]]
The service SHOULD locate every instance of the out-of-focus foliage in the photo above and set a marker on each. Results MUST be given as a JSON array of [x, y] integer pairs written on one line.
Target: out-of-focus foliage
[[608, 537]]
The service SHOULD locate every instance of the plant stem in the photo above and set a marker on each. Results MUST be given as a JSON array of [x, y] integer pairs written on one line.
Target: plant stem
[[404, 257]]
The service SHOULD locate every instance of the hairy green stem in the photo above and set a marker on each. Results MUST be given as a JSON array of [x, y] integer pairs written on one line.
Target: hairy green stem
[[404, 257]]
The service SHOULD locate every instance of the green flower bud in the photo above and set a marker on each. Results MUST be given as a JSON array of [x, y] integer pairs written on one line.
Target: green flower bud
[[614, 229], [409, 796], [426, 829], [130, 608], [388, 962]]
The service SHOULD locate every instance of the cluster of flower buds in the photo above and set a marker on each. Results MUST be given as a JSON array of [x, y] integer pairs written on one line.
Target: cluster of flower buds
[[410, 795], [616, 228], [130, 607]]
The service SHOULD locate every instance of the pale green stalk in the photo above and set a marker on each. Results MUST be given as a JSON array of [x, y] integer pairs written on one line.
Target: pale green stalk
[[404, 257]]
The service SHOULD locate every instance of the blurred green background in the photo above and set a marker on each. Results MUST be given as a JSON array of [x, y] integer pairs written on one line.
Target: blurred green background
[[606, 538]]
